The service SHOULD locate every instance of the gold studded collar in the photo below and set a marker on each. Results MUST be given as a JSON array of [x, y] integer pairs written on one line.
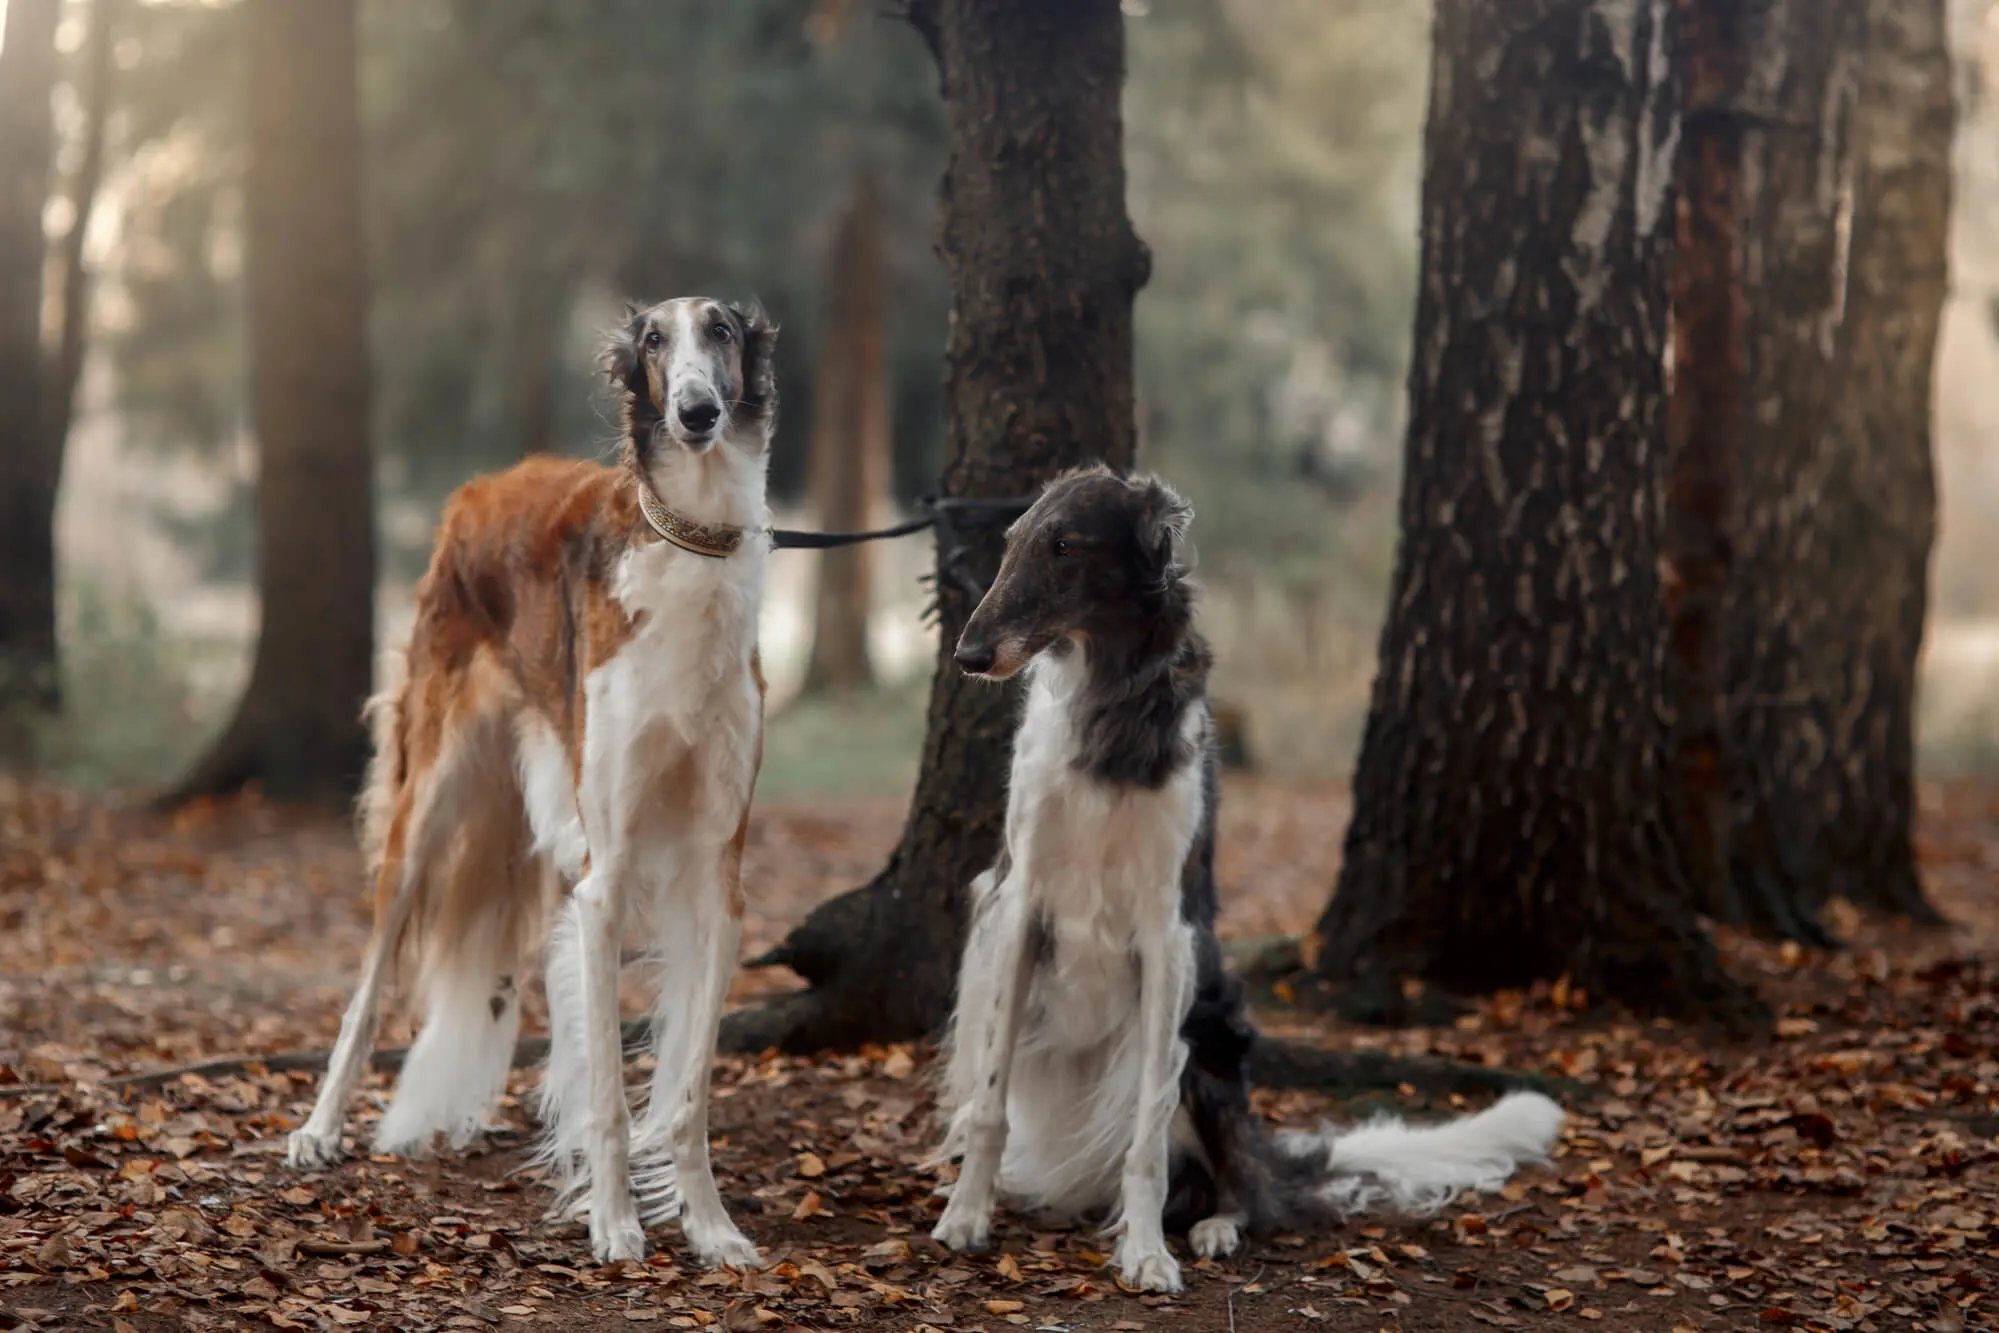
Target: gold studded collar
[[716, 542]]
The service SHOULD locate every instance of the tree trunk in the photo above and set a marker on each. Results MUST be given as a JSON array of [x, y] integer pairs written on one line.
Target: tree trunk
[[28, 683], [1804, 82], [1506, 823], [1848, 222], [1044, 266], [850, 442], [1703, 421], [298, 729], [74, 336], [1884, 485]]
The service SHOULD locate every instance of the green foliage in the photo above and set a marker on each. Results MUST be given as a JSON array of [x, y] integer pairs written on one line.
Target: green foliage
[[1273, 150], [138, 700], [864, 745], [530, 163]]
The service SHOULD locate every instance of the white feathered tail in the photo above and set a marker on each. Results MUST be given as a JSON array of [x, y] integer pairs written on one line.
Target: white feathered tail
[[1388, 1165]]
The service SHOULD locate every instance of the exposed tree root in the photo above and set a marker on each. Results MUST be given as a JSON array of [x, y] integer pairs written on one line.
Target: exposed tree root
[[1274, 1063], [1277, 1063]]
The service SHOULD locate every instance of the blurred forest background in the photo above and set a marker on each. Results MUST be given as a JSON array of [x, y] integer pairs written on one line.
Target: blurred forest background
[[527, 166]]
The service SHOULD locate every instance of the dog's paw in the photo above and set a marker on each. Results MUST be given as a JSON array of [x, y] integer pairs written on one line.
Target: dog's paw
[[1214, 1237], [964, 1228], [725, 1247], [615, 1234], [1147, 1267], [309, 1151]]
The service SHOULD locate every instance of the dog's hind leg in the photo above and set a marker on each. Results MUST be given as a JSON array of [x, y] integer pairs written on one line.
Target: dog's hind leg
[[1220, 1234], [492, 909], [1165, 989], [993, 983], [419, 833]]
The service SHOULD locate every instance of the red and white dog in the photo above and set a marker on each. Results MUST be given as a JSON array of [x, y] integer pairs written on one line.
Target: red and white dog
[[583, 705]]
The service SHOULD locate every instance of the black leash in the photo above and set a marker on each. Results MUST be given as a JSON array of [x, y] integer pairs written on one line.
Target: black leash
[[785, 539], [939, 508]]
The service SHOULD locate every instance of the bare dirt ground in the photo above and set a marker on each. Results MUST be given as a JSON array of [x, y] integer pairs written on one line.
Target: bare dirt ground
[[1842, 1175]]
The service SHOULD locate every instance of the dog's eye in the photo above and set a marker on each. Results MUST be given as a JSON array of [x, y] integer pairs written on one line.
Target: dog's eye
[[1061, 546], [721, 332], [652, 338]]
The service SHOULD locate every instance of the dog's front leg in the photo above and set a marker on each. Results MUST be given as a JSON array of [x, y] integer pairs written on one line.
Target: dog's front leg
[[704, 914], [615, 1230], [992, 991], [1165, 988]]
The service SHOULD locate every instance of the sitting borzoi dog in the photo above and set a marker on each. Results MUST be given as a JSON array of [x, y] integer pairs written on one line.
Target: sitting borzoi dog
[[583, 705], [1095, 1063]]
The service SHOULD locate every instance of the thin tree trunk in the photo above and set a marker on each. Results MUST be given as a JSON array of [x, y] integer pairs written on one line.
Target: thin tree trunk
[[74, 336], [1044, 266], [28, 681], [298, 730], [850, 442], [1848, 273], [1506, 823], [1782, 691], [1884, 486]]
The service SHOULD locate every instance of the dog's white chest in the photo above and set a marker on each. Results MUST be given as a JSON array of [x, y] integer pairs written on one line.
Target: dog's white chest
[[680, 695], [1099, 862], [695, 624]]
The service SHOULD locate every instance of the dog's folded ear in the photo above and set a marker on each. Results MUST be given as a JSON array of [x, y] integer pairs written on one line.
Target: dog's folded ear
[[759, 359], [1163, 520], [619, 359]]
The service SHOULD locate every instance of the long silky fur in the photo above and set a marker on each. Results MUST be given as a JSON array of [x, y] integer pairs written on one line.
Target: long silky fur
[[1131, 706]]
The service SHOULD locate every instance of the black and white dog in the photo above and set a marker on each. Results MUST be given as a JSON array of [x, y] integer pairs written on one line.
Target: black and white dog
[[1096, 1059]]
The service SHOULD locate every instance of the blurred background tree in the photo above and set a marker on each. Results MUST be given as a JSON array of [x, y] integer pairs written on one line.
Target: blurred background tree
[[28, 683], [297, 730]]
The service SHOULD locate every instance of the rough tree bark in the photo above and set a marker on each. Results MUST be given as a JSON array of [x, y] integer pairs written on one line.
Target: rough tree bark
[[1804, 80], [1506, 823], [297, 729], [1848, 214], [1044, 266], [850, 442], [1703, 429], [28, 683], [1883, 484]]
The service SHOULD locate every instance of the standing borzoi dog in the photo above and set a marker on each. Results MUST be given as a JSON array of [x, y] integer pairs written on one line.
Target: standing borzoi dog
[[583, 705], [1095, 1064]]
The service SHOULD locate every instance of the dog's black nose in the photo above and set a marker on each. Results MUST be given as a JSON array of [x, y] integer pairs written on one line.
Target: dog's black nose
[[700, 417], [976, 659]]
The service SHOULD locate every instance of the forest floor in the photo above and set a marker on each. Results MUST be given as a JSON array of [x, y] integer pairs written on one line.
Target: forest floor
[[1843, 1174]]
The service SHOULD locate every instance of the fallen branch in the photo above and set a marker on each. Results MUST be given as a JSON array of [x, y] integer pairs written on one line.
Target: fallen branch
[[527, 1051], [339, 1248], [1273, 1063]]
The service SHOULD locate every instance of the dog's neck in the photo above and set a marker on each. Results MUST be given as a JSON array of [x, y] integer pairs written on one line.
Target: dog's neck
[[1128, 702], [712, 503]]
